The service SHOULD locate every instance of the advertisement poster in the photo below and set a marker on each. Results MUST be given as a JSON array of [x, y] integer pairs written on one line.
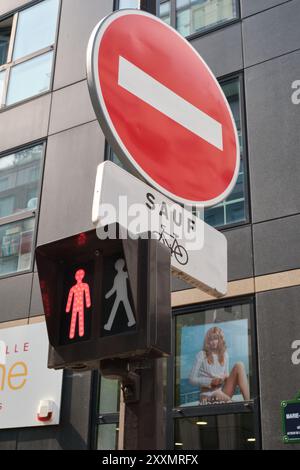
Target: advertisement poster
[[214, 363], [25, 380]]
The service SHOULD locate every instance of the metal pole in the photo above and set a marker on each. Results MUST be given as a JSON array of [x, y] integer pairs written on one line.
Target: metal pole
[[145, 421]]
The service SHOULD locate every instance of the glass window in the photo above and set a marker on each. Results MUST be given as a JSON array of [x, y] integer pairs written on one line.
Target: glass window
[[2, 78], [215, 384], [129, 4], [108, 411], [108, 437], [20, 176], [30, 78], [213, 357], [113, 158], [27, 56], [109, 396], [165, 12], [36, 28], [194, 16], [16, 242], [223, 432], [5, 32], [233, 209]]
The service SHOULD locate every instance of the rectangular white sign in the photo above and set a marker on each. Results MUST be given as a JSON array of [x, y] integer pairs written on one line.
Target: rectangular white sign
[[25, 380], [198, 251]]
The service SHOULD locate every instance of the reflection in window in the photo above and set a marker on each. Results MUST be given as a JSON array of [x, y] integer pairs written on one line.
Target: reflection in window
[[213, 356], [107, 437], [26, 57], [193, 16], [16, 241], [233, 209], [20, 175], [109, 396], [223, 432], [165, 12], [30, 78], [36, 28], [129, 4]]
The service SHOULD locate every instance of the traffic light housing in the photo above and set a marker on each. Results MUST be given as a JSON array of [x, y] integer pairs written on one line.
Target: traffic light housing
[[105, 299]]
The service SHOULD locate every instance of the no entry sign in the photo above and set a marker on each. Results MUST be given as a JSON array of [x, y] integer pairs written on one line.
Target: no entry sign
[[161, 108]]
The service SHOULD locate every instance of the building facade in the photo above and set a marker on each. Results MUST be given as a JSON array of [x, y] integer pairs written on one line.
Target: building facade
[[50, 146]]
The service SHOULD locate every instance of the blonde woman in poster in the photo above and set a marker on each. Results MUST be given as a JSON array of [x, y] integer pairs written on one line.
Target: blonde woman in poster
[[211, 371]]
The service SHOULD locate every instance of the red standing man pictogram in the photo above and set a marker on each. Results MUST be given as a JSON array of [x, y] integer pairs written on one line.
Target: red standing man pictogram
[[78, 294]]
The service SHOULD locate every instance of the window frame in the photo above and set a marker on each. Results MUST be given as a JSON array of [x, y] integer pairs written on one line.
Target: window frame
[[253, 406], [10, 63], [208, 29], [175, 412], [30, 214], [109, 154], [98, 419], [244, 154]]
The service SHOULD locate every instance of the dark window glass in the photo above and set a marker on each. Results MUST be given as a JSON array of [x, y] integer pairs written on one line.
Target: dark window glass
[[5, 32], [223, 432], [233, 209]]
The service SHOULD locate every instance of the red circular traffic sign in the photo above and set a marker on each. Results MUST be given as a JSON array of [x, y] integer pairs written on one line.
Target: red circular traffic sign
[[162, 109]]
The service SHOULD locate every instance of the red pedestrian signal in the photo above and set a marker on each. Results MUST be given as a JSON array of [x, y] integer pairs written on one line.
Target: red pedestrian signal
[[80, 297], [105, 299]]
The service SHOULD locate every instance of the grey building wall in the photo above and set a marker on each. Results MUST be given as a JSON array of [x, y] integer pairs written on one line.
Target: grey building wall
[[264, 46], [75, 146]]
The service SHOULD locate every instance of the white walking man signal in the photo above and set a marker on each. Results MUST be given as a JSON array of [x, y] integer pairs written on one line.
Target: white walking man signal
[[120, 288]]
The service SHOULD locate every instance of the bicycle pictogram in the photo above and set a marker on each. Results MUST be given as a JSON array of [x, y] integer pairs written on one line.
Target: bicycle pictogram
[[177, 250]]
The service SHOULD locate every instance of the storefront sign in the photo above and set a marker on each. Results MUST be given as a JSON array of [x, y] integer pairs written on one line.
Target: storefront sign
[[30, 393], [290, 413], [2, 352]]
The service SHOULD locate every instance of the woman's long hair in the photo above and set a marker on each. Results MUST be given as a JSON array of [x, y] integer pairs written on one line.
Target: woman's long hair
[[217, 332]]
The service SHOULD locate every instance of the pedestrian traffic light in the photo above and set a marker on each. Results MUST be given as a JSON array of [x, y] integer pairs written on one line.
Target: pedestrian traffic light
[[104, 299]]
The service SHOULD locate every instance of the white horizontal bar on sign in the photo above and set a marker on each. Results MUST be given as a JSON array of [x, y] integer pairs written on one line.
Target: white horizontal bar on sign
[[152, 92]]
